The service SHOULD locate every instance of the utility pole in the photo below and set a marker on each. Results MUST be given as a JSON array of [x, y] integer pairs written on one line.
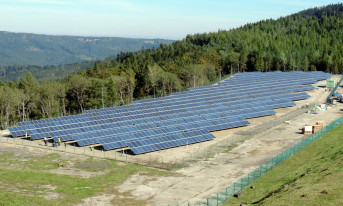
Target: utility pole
[[102, 94], [23, 111], [220, 75], [231, 69], [194, 81]]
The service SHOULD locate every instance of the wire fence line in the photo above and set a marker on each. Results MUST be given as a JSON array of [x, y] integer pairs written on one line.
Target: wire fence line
[[215, 200], [152, 160], [236, 187], [334, 90], [72, 148]]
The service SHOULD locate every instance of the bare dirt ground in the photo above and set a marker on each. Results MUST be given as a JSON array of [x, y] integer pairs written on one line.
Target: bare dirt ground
[[207, 177], [204, 178], [101, 200], [44, 191]]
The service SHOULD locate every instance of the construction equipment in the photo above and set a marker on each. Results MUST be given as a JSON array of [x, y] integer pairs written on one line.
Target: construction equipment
[[338, 96]]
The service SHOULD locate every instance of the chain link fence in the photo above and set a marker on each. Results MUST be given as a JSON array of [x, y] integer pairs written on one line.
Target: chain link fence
[[230, 191], [334, 90], [236, 187]]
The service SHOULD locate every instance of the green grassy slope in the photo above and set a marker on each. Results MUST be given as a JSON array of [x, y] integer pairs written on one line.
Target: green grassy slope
[[313, 176], [26, 181]]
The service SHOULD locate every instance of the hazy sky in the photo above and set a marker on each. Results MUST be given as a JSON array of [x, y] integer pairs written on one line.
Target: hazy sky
[[171, 19]]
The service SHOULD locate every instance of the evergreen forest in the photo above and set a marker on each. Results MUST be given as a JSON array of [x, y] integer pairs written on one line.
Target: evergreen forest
[[310, 40]]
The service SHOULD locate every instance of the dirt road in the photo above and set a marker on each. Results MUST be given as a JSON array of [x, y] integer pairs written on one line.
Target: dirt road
[[209, 176]]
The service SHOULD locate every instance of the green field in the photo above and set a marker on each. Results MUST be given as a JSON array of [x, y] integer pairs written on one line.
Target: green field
[[27, 180], [313, 176]]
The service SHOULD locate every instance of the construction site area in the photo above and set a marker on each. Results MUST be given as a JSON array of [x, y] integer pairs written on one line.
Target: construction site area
[[200, 168]]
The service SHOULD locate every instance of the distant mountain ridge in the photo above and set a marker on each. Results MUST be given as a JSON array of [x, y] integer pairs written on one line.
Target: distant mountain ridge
[[319, 12], [42, 50]]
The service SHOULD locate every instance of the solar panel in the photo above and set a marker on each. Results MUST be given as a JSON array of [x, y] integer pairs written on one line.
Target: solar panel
[[183, 118]]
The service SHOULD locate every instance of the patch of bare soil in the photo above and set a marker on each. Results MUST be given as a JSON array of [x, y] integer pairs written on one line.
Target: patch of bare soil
[[100, 200], [91, 164], [76, 172], [44, 191], [21, 151]]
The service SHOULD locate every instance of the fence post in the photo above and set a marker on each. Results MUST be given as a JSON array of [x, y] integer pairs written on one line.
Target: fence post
[[260, 171], [217, 199]]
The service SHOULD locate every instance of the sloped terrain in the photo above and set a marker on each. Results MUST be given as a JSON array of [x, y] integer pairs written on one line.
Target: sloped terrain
[[311, 177]]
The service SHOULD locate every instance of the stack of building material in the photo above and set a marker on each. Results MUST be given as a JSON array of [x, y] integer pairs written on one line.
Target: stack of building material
[[321, 123], [308, 129], [318, 126]]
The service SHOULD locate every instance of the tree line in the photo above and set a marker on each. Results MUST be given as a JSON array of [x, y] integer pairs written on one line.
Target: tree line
[[307, 42]]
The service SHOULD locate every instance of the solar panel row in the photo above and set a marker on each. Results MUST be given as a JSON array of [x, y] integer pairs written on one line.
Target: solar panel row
[[183, 118], [86, 128], [87, 124]]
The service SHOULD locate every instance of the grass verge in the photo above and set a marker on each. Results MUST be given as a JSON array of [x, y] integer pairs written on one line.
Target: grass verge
[[313, 176]]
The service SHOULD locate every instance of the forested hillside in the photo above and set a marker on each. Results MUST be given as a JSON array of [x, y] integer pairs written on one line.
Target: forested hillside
[[25, 52], [16, 72], [310, 40], [38, 49]]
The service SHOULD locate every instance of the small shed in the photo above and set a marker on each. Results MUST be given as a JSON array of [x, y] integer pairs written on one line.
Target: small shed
[[330, 83]]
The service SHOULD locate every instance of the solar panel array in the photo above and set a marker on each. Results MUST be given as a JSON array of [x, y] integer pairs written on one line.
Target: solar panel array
[[180, 119]]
